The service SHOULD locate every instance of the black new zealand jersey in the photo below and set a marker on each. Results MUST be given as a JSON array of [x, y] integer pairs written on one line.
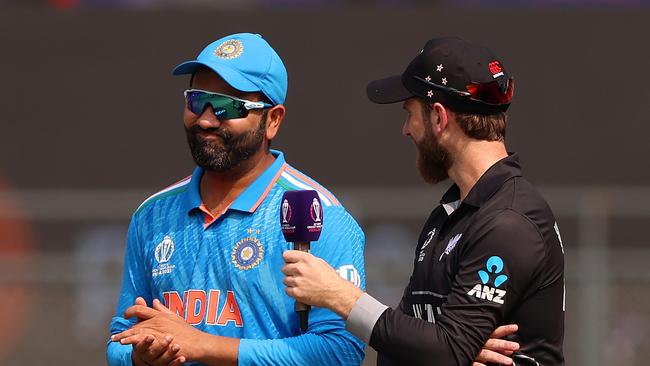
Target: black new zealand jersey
[[495, 258]]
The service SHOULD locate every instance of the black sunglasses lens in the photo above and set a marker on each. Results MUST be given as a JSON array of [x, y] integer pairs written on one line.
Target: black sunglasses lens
[[195, 103], [223, 106], [221, 113]]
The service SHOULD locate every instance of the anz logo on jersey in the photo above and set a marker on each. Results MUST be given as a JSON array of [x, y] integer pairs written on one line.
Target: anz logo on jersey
[[197, 307], [494, 266]]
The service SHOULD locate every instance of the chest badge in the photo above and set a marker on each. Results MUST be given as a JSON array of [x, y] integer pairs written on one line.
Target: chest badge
[[247, 253], [163, 253], [451, 245], [430, 236]]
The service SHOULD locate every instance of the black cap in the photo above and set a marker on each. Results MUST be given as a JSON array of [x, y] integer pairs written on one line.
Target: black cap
[[461, 75]]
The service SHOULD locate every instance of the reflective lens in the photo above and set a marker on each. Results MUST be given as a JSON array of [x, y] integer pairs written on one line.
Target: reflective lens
[[224, 106], [492, 92]]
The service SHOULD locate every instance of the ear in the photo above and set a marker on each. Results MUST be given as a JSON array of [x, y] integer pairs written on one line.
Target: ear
[[439, 118], [274, 120]]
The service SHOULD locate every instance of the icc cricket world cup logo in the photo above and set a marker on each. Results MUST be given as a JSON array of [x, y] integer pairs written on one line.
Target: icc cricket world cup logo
[[286, 214], [164, 250], [316, 210]]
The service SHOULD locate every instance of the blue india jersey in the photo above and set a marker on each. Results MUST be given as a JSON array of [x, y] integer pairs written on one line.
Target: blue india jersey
[[223, 274]]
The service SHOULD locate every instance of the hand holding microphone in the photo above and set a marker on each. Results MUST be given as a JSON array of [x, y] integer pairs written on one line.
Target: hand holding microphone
[[301, 219], [309, 279]]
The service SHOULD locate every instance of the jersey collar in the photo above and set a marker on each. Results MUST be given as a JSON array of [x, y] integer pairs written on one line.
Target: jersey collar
[[489, 182], [251, 197]]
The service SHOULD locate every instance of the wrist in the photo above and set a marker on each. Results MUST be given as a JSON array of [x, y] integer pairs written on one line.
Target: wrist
[[345, 299], [200, 349], [216, 350]]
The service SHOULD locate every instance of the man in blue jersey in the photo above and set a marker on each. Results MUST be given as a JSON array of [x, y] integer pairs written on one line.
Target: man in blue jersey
[[205, 253]]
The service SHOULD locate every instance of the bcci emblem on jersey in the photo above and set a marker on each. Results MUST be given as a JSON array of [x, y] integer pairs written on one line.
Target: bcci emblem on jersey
[[247, 253], [481, 290], [163, 254]]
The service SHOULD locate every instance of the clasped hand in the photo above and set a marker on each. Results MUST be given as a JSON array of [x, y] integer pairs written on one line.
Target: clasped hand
[[160, 337]]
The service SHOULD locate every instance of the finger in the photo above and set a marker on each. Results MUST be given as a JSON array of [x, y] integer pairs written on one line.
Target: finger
[[133, 340], [486, 356], [157, 305], [293, 256], [144, 344], [127, 333], [178, 361], [158, 349], [169, 354], [290, 281], [478, 364], [140, 312], [291, 291], [504, 330], [140, 301], [293, 269], [501, 345]]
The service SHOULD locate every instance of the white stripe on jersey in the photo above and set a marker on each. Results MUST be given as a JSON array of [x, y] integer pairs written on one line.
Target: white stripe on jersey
[[298, 184], [173, 186]]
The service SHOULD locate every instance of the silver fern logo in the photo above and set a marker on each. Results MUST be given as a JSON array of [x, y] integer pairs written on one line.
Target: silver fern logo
[[451, 245], [164, 250]]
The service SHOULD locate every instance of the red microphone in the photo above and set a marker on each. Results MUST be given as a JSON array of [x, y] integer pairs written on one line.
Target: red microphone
[[301, 219]]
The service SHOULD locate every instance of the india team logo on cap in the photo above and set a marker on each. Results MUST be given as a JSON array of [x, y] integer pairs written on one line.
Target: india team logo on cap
[[247, 253], [230, 49]]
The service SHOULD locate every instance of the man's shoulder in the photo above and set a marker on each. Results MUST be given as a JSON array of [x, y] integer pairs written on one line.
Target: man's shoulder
[[292, 179], [167, 193], [518, 210], [520, 196]]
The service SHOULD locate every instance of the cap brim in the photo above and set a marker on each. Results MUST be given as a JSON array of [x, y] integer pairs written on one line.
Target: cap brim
[[388, 90], [232, 77]]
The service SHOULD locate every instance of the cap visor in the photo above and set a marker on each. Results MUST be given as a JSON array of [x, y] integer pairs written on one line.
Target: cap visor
[[232, 77], [388, 90]]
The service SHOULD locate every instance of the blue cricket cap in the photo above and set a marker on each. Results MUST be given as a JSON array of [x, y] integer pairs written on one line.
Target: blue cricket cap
[[245, 61]]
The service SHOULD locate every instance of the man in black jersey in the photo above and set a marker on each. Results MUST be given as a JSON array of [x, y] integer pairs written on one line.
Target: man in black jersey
[[489, 254]]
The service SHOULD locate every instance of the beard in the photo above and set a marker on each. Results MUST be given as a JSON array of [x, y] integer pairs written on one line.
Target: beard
[[220, 156], [433, 159]]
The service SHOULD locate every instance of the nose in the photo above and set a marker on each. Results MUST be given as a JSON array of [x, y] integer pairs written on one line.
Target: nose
[[405, 130], [208, 119]]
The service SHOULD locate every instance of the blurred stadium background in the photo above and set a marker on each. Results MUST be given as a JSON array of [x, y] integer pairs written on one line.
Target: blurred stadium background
[[91, 125]]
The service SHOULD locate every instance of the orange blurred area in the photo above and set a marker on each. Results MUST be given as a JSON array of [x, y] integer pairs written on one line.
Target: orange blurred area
[[16, 250]]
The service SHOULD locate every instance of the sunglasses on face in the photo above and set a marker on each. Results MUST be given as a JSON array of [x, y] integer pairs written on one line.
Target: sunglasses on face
[[224, 106]]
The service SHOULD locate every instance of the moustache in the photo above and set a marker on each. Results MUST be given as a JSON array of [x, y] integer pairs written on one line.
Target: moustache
[[225, 135]]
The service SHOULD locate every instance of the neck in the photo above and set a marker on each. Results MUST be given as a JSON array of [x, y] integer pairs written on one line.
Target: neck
[[471, 160], [220, 189]]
